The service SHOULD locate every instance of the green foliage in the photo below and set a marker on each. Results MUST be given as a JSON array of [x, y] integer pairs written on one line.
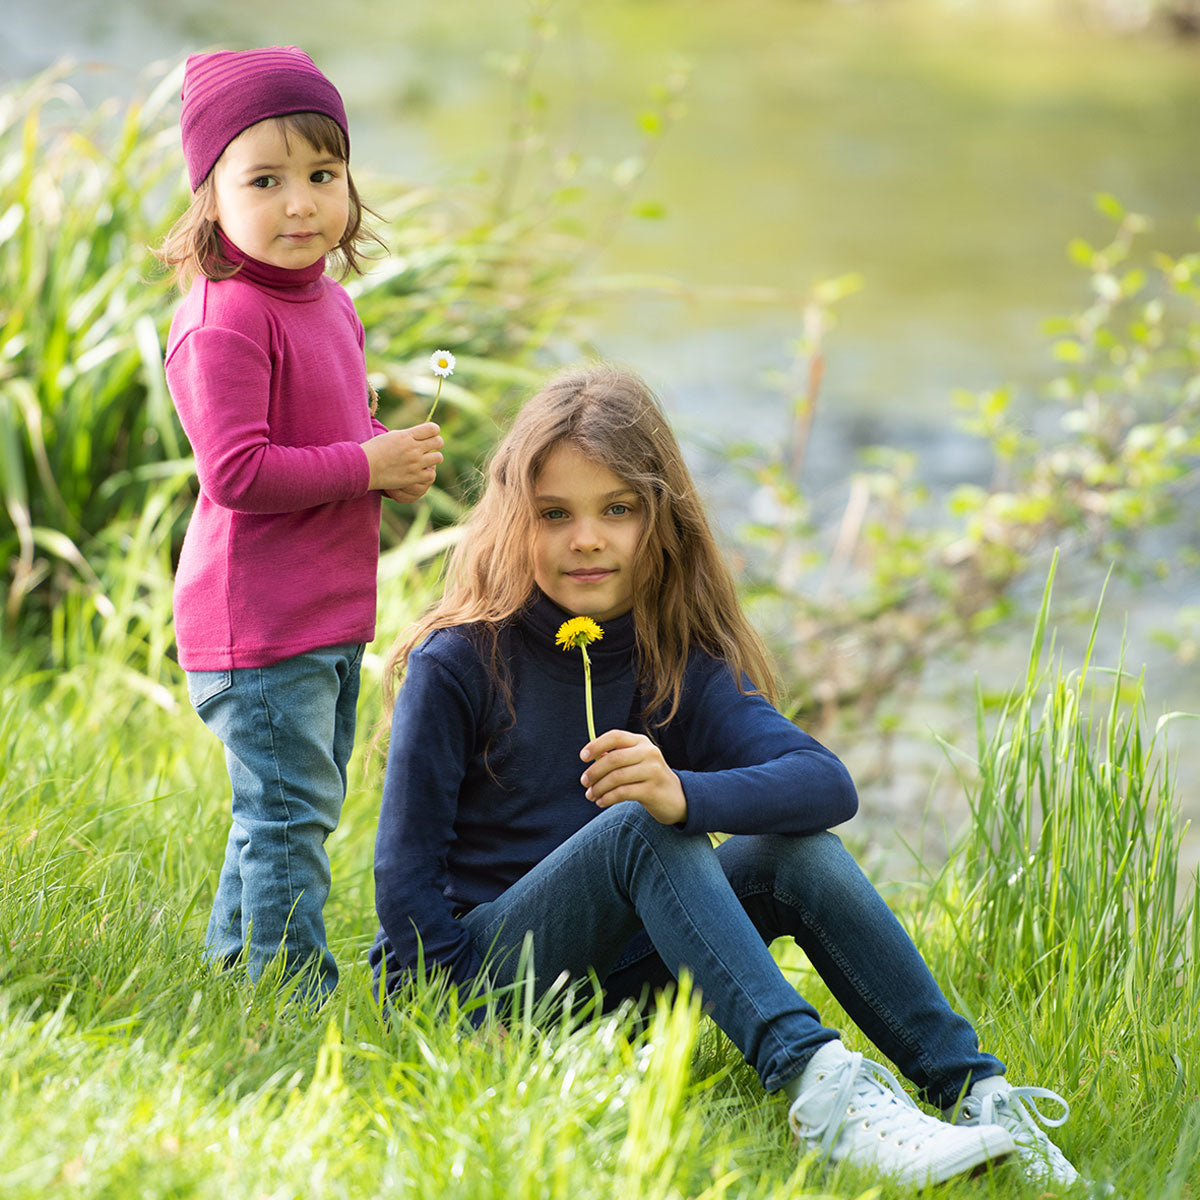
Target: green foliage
[[1074, 838], [1064, 901], [911, 577], [86, 426]]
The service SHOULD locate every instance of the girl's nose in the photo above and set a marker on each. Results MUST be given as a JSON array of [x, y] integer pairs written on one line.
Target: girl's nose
[[300, 200], [586, 536]]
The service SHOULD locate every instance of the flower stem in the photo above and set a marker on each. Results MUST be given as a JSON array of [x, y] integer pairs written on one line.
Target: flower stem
[[429, 415], [587, 693]]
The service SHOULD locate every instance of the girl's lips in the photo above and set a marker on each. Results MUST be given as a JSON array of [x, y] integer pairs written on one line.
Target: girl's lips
[[590, 576]]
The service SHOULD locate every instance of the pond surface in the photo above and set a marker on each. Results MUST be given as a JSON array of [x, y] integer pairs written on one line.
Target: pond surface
[[945, 152]]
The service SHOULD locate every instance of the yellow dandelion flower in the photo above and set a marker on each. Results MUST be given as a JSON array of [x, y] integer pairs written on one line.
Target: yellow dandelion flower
[[580, 631]]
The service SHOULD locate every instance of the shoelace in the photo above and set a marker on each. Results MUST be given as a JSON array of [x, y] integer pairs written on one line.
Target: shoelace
[[864, 1086], [1021, 1105], [1023, 1102]]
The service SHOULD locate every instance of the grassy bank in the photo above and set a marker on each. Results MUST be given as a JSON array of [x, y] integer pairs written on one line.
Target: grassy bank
[[128, 1070]]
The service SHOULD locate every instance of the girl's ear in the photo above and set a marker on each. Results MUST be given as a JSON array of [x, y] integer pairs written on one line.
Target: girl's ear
[[205, 196]]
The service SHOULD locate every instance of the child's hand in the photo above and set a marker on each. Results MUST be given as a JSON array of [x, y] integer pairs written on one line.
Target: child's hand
[[629, 766], [408, 495], [404, 460]]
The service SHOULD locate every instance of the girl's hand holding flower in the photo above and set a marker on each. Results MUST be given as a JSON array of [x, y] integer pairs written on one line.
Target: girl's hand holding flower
[[403, 460], [625, 766], [629, 766]]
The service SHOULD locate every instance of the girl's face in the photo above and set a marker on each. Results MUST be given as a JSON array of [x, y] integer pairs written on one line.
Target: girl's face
[[280, 200], [588, 525]]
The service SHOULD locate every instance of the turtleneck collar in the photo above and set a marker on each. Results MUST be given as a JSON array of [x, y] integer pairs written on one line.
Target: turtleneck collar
[[609, 656], [298, 285]]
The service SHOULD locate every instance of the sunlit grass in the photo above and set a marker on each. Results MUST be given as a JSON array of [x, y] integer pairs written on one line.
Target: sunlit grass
[[127, 1069]]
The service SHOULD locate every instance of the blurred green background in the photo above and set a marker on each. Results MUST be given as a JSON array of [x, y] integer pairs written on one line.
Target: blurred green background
[[946, 152]]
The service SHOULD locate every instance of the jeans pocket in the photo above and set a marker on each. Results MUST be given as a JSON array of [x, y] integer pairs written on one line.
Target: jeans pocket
[[204, 685]]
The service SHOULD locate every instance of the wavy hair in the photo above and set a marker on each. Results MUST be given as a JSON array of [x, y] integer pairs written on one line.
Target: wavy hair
[[192, 247], [684, 596]]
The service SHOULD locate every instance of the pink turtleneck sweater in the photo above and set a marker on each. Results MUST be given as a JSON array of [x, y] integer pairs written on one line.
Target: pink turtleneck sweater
[[267, 373]]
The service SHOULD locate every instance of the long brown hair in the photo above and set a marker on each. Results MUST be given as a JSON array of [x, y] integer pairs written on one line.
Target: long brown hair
[[684, 596], [192, 247]]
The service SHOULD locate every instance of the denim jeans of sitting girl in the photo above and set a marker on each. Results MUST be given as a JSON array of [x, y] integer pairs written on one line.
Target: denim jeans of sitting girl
[[288, 730], [636, 901]]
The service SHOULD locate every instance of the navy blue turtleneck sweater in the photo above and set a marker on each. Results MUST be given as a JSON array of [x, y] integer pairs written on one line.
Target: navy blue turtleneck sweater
[[473, 798]]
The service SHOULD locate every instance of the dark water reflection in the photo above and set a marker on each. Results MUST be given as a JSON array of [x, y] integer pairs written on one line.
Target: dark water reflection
[[946, 154]]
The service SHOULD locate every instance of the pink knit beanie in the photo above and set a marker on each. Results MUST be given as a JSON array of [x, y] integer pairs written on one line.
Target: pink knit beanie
[[230, 90]]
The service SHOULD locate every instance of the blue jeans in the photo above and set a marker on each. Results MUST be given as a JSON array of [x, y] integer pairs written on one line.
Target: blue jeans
[[636, 901], [288, 730]]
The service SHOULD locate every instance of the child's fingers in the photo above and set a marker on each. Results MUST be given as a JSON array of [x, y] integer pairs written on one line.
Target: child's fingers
[[610, 764], [645, 781], [624, 758], [614, 739], [623, 784]]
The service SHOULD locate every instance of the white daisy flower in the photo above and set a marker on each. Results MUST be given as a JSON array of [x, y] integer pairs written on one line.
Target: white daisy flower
[[441, 363]]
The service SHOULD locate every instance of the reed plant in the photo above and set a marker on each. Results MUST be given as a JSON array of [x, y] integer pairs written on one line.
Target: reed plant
[[1070, 870], [1065, 908], [86, 425]]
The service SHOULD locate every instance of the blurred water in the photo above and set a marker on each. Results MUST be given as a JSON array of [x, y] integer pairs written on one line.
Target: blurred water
[[948, 158]]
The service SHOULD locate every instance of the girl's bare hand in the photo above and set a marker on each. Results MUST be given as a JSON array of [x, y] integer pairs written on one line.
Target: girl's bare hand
[[404, 460], [629, 766], [412, 494]]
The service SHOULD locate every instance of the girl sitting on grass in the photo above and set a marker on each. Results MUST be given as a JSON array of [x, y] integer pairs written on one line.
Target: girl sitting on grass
[[497, 823]]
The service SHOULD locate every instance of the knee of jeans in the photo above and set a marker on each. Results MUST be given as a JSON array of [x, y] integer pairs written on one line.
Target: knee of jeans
[[633, 829], [629, 823], [814, 859], [631, 816]]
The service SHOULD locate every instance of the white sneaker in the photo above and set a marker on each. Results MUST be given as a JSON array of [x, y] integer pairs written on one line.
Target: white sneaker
[[854, 1110], [994, 1101]]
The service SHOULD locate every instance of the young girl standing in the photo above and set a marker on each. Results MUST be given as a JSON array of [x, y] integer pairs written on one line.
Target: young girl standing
[[497, 822], [275, 591]]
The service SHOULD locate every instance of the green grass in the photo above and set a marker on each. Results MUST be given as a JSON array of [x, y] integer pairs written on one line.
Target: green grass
[[127, 1069]]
